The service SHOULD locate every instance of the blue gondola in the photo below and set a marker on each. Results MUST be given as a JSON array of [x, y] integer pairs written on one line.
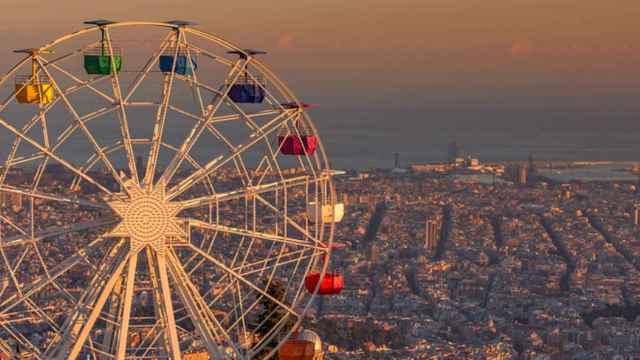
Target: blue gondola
[[247, 90], [183, 65]]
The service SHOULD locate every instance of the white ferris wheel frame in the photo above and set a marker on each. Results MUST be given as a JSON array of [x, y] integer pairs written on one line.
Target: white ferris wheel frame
[[120, 262]]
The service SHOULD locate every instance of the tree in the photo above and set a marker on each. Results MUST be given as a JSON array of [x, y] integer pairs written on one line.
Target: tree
[[270, 317]]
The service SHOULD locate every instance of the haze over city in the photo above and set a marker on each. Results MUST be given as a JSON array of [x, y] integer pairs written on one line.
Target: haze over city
[[502, 77]]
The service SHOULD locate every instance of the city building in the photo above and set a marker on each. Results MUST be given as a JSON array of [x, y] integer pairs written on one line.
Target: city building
[[432, 234], [518, 173]]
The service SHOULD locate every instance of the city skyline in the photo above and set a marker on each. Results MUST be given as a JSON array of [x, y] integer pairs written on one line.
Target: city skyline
[[503, 78]]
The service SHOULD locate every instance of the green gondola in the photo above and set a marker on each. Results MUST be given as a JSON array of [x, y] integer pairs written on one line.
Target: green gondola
[[101, 64], [99, 61]]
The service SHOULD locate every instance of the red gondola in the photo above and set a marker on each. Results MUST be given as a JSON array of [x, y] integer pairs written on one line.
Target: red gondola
[[331, 284], [300, 142], [297, 145]]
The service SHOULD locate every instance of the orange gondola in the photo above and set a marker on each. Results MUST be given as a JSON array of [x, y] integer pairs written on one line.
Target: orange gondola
[[297, 350]]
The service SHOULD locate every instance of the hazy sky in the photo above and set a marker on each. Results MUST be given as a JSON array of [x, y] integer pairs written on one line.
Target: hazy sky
[[504, 77]]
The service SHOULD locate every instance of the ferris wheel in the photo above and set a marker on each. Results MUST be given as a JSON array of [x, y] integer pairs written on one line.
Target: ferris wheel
[[163, 195]]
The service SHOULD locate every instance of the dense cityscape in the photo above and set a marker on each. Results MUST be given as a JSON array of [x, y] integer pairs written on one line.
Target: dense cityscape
[[541, 270], [444, 266]]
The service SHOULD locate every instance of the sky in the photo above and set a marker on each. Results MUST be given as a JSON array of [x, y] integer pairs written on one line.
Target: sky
[[559, 78]]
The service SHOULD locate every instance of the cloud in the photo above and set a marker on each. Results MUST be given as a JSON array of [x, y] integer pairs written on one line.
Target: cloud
[[285, 41], [521, 48]]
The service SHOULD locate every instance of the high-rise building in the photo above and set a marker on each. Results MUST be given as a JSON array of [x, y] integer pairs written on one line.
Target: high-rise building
[[453, 152], [532, 164], [396, 160], [523, 175], [518, 173], [432, 234], [532, 169]]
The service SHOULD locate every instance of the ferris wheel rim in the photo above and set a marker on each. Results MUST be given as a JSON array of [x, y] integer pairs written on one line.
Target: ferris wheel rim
[[320, 156], [220, 41]]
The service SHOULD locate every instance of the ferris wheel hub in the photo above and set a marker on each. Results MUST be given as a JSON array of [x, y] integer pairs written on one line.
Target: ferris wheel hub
[[147, 218]]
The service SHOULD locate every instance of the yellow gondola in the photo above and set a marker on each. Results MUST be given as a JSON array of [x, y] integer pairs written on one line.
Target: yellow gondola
[[34, 88], [30, 91]]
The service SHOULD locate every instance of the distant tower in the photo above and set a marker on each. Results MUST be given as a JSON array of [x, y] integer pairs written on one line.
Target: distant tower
[[532, 164], [396, 160], [532, 169], [523, 175], [431, 234], [453, 152]]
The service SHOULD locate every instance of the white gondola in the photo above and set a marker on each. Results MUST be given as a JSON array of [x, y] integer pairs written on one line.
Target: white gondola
[[328, 213]]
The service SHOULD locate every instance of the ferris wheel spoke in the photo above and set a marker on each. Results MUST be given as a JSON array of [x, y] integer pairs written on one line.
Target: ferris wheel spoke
[[250, 191], [93, 160], [239, 162], [147, 67], [197, 130], [279, 263], [52, 197], [290, 221], [126, 308], [193, 163], [194, 75], [224, 118], [166, 306], [242, 279], [63, 137], [261, 265], [79, 324], [289, 258], [57, 158], [78, 120], [28, 290], [55, 231], [21, 339], [11, 97], [45, 136], [34, 120], [122, 114], [251, 234], [200, 50], [12, 225], [88, 84], [161, 116], [160, 324], [204, 321], [220, 161]]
